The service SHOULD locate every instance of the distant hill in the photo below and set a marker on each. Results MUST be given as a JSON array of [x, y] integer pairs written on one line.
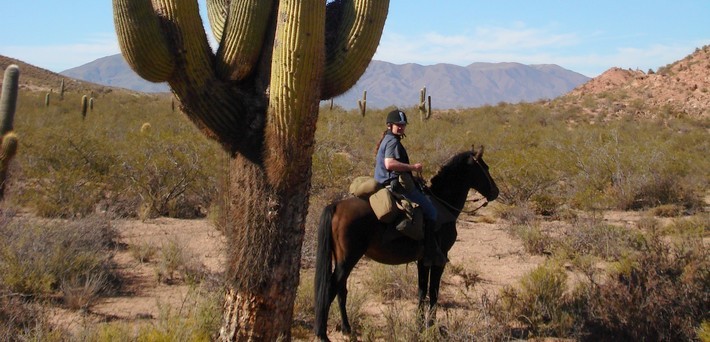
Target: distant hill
[[387, 84], [38, 79], [114, 71], [452, 86], [682, 87]]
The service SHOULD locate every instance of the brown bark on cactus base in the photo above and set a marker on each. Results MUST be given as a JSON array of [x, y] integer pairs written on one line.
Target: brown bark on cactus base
[[266, 230]]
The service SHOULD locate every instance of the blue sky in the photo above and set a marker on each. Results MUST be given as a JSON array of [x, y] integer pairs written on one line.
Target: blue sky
[[588, 37]]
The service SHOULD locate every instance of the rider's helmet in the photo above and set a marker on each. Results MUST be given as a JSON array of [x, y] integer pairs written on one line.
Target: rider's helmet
[[396, 117]]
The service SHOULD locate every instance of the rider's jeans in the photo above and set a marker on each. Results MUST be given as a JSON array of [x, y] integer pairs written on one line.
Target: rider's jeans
[[424, 202]]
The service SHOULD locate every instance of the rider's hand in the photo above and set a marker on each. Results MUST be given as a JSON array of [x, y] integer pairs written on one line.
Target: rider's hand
[[417, 167]]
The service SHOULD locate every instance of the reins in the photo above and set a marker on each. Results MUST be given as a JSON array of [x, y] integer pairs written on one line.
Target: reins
[[446, 204], [420, 180]]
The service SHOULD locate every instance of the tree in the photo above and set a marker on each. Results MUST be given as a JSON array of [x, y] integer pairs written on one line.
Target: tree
[[258, 96]]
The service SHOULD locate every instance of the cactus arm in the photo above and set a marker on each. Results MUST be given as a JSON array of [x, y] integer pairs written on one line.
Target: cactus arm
[[217, 16], [243, 38], [354, 29], [8, 99], [296, 73], [8, 149], [142, 41]]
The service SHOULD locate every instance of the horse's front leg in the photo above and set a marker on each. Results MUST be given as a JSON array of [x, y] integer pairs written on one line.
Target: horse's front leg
[[434, 282], [423, 282]]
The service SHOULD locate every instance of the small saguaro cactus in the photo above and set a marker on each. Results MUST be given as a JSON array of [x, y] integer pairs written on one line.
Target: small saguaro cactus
[[46, 99], [424, 111], [61, 90], [84, 105], [8, 104], [363, 103], [91, 103]]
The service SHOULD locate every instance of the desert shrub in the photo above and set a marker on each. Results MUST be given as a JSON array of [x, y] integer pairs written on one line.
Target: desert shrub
[[661, 295], [393, 282], [38, 258], [535, 241], [540, 302], [18, 318], [545, 204], [698, 225], [176, 259], [68, 177], [197, 319], [143, 252], [81, 293], [594, 237], [614, 170], [170, 175], [516, 214], [667, 210]]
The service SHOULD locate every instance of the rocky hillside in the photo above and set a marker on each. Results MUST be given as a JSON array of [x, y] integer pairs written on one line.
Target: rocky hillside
[[680, 89], [42, 80]]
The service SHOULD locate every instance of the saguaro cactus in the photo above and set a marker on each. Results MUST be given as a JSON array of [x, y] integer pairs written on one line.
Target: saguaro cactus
[[258, 96], [8, 104], [84, 105], [424, 111], [362, 104]]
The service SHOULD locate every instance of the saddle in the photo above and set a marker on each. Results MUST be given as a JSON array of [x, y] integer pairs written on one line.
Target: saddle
[[402, 216]]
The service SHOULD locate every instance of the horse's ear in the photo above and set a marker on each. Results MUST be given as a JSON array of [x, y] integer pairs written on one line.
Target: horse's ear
[[479, 153]]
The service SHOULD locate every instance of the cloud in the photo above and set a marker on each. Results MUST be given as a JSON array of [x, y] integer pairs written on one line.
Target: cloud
[[481, 45], [60, 57], [588, 54]]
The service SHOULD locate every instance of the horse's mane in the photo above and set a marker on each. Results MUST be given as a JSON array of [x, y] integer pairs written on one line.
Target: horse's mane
[[449, 166]]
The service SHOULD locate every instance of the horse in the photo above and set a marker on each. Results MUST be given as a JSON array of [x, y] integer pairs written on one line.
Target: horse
[[349, 229]]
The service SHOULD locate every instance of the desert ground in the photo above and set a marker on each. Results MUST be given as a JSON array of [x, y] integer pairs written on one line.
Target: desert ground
[[486, 258]]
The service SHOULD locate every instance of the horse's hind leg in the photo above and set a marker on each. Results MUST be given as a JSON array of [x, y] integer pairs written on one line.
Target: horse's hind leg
[[340, 280], [342, 303]]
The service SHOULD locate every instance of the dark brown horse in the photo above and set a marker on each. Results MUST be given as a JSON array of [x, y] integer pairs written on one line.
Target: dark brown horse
[[349, 229]]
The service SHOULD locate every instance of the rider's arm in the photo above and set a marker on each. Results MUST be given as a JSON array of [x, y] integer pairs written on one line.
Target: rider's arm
[[392, 164]]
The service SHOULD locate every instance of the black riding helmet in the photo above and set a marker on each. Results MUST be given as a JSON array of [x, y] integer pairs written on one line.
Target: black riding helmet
[[396, 117]]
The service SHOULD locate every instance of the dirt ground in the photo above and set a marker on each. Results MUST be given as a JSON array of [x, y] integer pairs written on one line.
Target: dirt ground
[[485, 250]]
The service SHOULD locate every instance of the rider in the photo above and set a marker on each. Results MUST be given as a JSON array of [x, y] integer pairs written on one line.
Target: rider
[[391, 161]]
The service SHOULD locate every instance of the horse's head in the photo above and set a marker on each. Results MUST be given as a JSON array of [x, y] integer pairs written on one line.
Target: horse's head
[[479, 176]]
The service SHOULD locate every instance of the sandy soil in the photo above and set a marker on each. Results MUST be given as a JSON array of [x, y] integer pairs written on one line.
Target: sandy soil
[[485, 250]]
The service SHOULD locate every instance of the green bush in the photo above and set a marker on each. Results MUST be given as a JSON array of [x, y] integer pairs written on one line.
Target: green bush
[[540, 302]]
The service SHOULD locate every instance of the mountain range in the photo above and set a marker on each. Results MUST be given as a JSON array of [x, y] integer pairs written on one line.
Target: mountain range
[[387, 84]]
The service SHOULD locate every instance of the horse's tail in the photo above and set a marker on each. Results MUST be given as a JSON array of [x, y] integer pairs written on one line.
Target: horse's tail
[[324, 270]]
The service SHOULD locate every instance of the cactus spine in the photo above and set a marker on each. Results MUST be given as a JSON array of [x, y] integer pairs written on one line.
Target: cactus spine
[[362, 104], [258, 96], [8, 105]]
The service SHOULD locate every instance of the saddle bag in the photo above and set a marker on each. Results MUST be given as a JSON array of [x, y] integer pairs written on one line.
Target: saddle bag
[[411, 224], [384, 205], [364, 186]]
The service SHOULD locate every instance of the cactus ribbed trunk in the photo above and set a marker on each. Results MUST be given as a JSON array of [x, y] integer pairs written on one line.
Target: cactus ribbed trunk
[[8, 139], [258, 96]]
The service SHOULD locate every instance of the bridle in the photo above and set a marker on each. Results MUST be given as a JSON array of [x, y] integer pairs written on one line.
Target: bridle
[[446, 204]]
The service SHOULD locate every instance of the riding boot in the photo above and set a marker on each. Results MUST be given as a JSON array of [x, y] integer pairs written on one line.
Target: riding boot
[[433, 256]]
